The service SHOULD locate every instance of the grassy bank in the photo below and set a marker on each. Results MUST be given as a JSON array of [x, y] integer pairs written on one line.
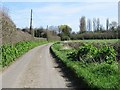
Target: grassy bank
[[85, 64], [11, 52]]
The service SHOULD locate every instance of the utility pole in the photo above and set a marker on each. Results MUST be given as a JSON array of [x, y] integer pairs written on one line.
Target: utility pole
[[47, 32], [31, 31]]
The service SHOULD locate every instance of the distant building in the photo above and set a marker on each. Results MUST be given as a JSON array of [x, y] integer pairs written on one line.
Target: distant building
[[119, 13]]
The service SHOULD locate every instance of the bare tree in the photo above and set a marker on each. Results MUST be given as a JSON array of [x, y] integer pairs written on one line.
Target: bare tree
[[98, 24], [107, 24], [89, 25], [94, 24], [113, 25], [82, 24], [5, 12], [0, 27]]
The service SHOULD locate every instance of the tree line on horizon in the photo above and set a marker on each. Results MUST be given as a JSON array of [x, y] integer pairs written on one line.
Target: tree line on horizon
[[88, 30], [95, 25]]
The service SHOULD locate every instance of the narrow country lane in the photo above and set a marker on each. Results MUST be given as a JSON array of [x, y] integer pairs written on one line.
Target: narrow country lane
[[35, 69]]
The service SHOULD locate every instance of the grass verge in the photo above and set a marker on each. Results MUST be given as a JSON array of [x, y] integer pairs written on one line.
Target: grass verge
[[96, 75], [11, 52]]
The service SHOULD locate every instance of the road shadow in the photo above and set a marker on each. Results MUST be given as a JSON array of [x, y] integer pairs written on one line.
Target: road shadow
[[72, 81]]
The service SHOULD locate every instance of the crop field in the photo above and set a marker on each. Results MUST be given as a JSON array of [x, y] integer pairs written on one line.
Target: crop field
[[95, 61]]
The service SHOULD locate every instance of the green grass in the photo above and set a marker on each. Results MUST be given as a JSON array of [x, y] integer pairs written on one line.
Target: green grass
[[97, 75], [97, 40]]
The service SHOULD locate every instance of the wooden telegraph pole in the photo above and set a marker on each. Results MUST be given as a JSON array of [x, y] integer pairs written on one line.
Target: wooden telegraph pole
[[47, 32], [31, 30]]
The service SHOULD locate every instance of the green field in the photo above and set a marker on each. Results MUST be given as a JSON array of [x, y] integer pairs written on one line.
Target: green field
[[98, 40]]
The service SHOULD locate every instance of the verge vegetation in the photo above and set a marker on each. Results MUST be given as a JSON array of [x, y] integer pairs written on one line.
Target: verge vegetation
[[12, 51], [98, 67]]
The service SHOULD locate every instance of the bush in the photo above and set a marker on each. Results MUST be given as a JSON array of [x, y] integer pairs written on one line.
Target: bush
[[106, 53], [88, 53], [11, 52]]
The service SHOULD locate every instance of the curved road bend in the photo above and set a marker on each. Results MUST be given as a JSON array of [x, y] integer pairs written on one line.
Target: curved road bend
[[35, 69]]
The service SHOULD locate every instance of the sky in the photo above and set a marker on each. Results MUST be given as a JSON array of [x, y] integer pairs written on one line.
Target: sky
[[119, 14], [57, 12]]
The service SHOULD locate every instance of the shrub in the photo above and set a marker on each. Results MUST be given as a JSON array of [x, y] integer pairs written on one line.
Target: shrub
[[106, 53], [86, 53], [11, 52]]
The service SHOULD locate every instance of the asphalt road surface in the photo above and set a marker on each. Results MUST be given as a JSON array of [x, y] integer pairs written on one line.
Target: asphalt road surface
[[35, 69]]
